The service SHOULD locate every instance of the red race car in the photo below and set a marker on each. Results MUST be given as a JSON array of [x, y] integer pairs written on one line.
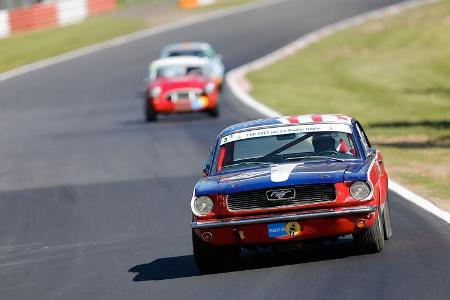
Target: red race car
[[180, 85]]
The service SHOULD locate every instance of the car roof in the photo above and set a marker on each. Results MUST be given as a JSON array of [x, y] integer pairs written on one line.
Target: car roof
[[185, 46], [180, 60], [287, 121]]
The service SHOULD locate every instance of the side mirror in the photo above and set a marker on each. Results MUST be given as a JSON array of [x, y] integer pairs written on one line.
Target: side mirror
[[371, 152], [206, 169], [146, 82]]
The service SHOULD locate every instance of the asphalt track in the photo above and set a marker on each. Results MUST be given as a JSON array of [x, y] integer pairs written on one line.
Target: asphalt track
[[94, 203]]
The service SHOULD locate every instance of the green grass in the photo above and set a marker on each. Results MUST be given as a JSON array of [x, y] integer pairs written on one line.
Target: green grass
[[391, 74], [225, 3], [29, 47]]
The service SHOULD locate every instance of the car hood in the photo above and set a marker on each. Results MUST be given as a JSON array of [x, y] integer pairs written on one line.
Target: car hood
[[180, 83], [282, 175]]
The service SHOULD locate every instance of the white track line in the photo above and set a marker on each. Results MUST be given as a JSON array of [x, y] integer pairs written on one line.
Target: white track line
[[134, 37], [418, 200], [236, 80]]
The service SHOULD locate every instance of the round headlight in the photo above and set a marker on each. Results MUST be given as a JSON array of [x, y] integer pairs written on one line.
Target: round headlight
[[155, 92], [209, 88], [202, 205], [360, 190]]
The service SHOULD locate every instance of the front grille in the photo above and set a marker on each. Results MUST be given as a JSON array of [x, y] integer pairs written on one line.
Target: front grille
[[304, 194], [183, 95]]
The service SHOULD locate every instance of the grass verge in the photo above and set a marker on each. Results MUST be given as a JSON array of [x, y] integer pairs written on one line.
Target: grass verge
[[393, 75], [133, 15], [26, 48]]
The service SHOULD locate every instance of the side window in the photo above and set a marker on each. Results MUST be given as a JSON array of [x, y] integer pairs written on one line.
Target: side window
[[209, 161], [365, 136], [362, 134], [152, 73]]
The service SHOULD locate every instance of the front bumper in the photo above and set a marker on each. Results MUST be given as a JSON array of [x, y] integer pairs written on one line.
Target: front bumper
[[315, 224], [204, 103], [325, 213]]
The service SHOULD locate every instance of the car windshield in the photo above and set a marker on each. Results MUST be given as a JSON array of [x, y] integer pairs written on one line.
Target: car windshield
[[174, 71], [189, 52], [286, 145]]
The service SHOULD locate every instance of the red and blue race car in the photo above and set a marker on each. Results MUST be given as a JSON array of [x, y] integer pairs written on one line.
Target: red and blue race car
[[287, 180], [180, 85]]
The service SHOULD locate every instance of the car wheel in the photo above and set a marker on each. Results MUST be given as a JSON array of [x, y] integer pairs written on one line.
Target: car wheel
[[150, 114], [387, 226], [209, 258], [214, 112], [372, 239]]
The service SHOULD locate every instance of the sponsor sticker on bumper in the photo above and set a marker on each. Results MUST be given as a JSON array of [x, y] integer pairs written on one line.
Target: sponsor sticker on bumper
[[276, 230], [199, 103]]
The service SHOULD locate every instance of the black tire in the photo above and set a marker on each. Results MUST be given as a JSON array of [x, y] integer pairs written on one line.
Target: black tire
[[214, 112], [150, 114], [209, 258], [372, 239], [387, 225]]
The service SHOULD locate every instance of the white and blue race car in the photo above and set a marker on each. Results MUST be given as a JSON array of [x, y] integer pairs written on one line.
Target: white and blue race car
[[197, 49]]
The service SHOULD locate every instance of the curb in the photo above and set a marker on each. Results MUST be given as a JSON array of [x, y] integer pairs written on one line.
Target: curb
[[239, 86], [50, 14], [121, 40]]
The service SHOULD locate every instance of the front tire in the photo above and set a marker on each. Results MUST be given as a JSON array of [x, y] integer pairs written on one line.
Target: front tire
[[387, 226], [150, 114], [372, 239], [214, 112], [209, 258]]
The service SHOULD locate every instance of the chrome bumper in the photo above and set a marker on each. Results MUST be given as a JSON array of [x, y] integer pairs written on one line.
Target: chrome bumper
[[315, 214]]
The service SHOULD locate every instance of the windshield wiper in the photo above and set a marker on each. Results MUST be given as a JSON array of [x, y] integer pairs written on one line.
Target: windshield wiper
[[287, 146], [315, 157], [247, 163]]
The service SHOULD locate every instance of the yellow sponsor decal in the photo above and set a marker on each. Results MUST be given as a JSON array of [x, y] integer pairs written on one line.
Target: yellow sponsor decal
[[293, 228], [204, 101]]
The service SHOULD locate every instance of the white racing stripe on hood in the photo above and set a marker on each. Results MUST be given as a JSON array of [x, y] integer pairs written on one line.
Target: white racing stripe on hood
[[280, 173]]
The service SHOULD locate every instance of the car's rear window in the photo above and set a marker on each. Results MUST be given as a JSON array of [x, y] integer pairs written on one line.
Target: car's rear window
[[197, 53]]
